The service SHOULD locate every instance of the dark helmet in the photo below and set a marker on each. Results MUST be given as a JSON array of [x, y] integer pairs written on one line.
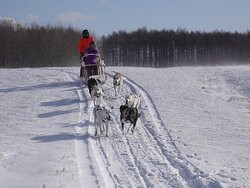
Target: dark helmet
[[85, 33]]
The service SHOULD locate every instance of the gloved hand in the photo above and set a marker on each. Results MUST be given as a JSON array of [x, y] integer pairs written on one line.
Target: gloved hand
[[81, 56]]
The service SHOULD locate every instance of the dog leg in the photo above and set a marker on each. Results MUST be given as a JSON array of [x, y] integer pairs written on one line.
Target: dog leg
[[133, 128], [119, 90], [120, 87], [129, 127], [95, 116], [96, 130], [122, 128], [101, 128], [138, 104], [115, 87], [107, 128]]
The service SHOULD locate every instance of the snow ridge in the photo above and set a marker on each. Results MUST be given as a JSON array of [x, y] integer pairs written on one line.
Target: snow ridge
[[168, 148]]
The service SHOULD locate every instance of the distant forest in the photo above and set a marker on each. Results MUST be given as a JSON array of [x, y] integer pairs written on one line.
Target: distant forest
[[37, 46], [42, 46], [168, 48]]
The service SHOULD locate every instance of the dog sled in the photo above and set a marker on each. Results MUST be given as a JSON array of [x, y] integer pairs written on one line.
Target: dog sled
[[99, 73]]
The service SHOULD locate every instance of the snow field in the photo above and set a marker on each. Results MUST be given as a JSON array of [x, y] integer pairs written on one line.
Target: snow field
[[193, 129]]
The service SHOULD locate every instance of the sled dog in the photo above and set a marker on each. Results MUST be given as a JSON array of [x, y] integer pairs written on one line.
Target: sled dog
[[91, 83], [128, 115], [101, 119], [133, 100], [118, 83], [97, 95]]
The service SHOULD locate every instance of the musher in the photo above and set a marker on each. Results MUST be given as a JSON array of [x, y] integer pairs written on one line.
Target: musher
[[83, 44]]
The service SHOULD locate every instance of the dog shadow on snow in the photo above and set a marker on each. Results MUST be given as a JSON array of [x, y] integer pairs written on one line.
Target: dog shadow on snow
[[68, 136], [39, 87], [63, 137], [61, 102], [57, 113]]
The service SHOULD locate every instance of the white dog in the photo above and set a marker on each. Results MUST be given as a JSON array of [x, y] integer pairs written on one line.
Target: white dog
[[97, 95], [118, 83], [101, 119], [133, 100]]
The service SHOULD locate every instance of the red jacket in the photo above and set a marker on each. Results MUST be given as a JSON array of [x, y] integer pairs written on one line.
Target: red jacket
[[84, 44]]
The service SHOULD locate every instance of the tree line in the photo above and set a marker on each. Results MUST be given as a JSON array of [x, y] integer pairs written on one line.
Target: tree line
[[168, 48], [40, 46]]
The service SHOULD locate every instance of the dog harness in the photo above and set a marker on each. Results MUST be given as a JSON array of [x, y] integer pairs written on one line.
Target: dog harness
[[97, 108]]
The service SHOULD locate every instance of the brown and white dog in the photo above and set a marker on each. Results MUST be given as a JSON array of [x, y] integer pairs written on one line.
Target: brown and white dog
[[118, 83], [101, 119], [97, 95], [133, 100]]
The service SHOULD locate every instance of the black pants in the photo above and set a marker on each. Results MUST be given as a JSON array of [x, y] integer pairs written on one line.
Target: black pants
[[81, 71]]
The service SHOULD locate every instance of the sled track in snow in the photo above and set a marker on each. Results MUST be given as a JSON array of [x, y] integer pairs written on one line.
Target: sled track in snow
[[165, 144], [84, 139], [156, 171], [127, 174], [149, 158]]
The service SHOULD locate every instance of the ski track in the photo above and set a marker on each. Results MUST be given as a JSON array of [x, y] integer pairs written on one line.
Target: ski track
[[124, 160]]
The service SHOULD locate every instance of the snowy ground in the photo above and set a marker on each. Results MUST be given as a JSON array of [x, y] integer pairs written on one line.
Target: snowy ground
[[194, 129]]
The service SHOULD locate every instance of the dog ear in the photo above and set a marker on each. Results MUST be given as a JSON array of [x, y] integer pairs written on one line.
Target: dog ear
[[129, 95]]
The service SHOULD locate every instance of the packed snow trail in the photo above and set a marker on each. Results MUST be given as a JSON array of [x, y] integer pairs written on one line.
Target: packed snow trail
[[88, 156], [126, 157], [83, 150]]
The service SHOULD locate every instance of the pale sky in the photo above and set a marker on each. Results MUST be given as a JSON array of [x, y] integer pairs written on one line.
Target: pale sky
[[105, 16]]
